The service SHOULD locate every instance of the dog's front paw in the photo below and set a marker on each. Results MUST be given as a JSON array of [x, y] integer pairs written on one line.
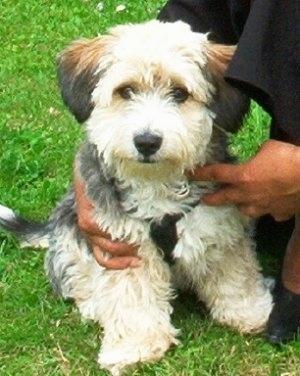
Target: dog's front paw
[[128, 352]]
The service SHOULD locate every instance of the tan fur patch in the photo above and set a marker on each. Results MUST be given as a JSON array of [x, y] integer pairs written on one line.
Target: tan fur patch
[[219, 57], [84, 54]]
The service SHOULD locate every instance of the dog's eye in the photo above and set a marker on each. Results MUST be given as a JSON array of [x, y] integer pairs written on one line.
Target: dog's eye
[[126, 92], [179, 95]]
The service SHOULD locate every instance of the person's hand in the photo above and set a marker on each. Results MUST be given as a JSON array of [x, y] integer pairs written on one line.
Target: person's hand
[[267, 184], [109, 254]]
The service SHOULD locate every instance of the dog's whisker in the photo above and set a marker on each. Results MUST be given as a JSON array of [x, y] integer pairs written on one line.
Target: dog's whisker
[[222, 130]]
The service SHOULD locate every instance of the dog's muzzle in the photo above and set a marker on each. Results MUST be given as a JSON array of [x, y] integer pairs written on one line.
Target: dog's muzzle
[[147, 144]]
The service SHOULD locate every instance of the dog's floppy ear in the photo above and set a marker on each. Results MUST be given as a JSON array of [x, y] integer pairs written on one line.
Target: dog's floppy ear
[[78, 74], [229, 104]]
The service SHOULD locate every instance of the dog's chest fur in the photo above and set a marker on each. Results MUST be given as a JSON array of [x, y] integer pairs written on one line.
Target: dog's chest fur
[[152, 200], [128, 208]]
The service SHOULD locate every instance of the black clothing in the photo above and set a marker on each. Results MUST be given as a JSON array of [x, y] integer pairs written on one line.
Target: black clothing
[[203, 16], [284, 321], [266, 65]]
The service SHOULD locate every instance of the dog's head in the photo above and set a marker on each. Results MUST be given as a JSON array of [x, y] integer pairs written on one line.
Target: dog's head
[[150, 95]]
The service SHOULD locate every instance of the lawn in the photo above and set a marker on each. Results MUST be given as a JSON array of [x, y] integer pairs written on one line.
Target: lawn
[[41, 335]]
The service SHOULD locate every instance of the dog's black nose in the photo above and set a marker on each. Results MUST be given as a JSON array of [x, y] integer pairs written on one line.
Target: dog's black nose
[[147, 143]]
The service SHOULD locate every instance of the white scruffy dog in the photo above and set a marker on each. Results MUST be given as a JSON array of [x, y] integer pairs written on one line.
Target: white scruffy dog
[[155, 105]]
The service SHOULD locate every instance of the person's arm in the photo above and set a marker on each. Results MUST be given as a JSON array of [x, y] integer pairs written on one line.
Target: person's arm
[[267, 184], [108, 253]]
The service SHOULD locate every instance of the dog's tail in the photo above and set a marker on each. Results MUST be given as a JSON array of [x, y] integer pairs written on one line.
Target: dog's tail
[[29, 233]]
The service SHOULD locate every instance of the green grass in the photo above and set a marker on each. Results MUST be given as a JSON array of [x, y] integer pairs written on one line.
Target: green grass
[[40, 334]]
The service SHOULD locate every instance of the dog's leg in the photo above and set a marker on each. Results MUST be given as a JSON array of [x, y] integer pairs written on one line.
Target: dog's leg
[[234, 289], [132, 306], [218, 259], [135, 313]]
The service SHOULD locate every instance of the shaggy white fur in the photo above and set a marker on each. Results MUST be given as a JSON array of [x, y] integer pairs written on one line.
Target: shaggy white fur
[[151, 95]]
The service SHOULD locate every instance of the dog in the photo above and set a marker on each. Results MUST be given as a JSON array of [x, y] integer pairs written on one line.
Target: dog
[[156, 105]]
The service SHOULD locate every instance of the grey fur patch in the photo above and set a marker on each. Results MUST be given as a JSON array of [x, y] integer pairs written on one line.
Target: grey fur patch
[[77, 92], [229, 104], [62, 221], [100, 181]]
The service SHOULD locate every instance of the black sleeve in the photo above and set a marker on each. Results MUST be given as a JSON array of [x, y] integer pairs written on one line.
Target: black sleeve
[[266, 64], [203, 16]]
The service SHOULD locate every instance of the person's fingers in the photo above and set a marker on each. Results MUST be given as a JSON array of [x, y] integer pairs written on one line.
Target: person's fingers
[[113, 248], [224, 196], [255, 211], [219, 173], [115, 263], [281, 217], [252, 211], [91, 228]]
